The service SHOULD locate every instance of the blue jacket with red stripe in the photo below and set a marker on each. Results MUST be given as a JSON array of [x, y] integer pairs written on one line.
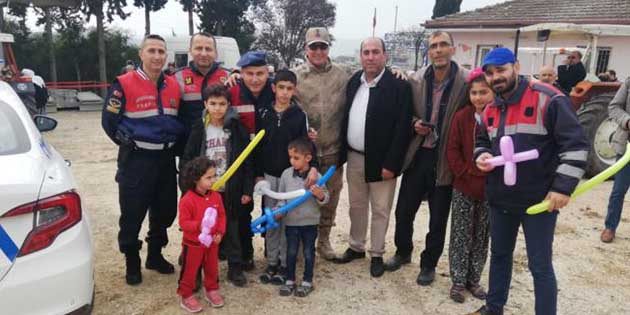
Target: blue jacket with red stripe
[[141, 114], [537, 116]]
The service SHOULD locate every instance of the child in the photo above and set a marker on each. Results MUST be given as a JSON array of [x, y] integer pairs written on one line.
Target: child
[[301, 222], [197, 178], [468, 248], [283, 122], [221, 137]]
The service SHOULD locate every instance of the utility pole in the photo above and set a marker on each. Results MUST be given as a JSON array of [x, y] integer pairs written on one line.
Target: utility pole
[[374, 23], [395, 37]]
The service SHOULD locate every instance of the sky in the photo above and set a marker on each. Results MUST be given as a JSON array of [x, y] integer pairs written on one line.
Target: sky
[[353, 20]]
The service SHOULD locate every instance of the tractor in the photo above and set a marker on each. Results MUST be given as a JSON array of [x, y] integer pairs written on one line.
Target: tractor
[[590, 97]]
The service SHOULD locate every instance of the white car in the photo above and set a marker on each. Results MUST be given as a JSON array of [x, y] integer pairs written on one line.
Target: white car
[[46, 253]]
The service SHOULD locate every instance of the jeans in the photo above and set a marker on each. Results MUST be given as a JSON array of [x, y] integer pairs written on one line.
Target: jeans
[[307, 235], [615, 202], [538, 230]]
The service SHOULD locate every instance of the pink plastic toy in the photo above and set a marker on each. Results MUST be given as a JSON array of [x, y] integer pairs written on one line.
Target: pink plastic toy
[[209, 219], [509, 159]]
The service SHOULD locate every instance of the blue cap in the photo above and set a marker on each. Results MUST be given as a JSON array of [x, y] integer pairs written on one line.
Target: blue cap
[[253, 58], [498, 57]]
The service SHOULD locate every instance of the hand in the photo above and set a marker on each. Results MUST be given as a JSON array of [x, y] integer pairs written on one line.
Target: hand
[[312, 134], [557, 200], [312, 177], [259, 178], [245, 199], [278, 217], [482, 162], [216, 238], [232, 80], [318, 192], [420, 129], [399, 74], [387, 174]]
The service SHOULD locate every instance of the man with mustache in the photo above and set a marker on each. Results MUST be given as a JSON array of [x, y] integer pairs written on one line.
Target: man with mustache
[[536, 116], [437, 92]]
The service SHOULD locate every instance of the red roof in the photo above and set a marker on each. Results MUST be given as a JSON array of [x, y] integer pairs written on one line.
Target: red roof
[[518, 13]]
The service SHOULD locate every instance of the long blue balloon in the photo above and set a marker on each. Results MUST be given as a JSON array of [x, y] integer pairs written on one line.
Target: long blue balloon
[[267, 220]]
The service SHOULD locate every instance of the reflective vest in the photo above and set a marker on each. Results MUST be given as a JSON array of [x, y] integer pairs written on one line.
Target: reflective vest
[[191, 82], [150, 116]]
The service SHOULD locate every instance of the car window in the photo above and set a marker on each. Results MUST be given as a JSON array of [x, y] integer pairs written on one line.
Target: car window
[[13, 136]]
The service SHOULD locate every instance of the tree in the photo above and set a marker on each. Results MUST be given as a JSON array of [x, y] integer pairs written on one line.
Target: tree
[[149, 5], [283, 25], [189, 6], [96, 7], [446, 7], [228, 18]]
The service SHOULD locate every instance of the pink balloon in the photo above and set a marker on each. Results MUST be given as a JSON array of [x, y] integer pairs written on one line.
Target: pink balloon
[[509, 159], [207, 223]]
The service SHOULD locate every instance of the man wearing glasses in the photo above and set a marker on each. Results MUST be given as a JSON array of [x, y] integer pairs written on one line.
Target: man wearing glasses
[[438, 89], [321, 89], [571, 72]]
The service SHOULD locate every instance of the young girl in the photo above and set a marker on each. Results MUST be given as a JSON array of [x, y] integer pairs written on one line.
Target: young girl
[[468, 247], [197, 178]]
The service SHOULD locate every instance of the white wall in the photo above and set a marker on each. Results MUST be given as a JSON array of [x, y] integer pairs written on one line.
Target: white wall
[[467, 45]]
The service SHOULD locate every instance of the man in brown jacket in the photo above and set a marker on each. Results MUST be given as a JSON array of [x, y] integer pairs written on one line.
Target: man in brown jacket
[[321, 90], [438, 90]]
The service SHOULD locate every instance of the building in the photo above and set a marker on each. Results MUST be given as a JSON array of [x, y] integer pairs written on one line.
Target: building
[[477, 32]]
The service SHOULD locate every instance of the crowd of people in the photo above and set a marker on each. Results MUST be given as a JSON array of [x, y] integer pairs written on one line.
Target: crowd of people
[[437, 129]]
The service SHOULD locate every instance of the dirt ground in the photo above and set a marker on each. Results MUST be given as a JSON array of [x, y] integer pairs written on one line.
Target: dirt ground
[[593, 278]]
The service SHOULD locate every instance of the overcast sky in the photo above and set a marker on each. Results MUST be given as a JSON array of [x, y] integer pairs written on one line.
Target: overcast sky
[[354, 18]]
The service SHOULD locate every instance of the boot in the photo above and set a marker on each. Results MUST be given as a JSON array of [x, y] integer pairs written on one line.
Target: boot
[[133, 276], [324, 249], [156, 261]]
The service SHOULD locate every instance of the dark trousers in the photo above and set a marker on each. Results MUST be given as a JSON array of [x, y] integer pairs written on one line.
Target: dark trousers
[[245, 232], [307, 236], [538, 230], [146, 182], [418, 182]]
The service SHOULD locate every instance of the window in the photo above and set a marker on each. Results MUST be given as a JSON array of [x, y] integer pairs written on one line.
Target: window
[[13, 136], [181, 59], [482, 51], [603, 57]]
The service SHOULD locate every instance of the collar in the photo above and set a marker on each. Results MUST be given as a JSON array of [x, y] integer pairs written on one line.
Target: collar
[[144, 76], [200, 195], [312, 67], [374, 82], [523, 84], [302, 175], [430, 73], [194, 68]]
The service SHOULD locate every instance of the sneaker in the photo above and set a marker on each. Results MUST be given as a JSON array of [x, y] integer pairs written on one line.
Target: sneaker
[[304, 289], [457, 293], [607, 236], [214, 298], [190, 304], [280, 277], [268, 274], [287, 288]]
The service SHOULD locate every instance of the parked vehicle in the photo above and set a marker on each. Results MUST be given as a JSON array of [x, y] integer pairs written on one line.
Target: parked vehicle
[[46, 253]]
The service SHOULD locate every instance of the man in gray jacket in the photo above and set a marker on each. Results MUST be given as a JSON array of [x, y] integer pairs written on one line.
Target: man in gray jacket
[[619, 111], [321, 90], [438, 90]]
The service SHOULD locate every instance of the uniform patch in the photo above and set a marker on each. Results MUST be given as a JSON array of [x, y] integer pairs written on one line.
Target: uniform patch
[[117, 94], [113, 105], [188, 80], [172, 102], [529, 111]]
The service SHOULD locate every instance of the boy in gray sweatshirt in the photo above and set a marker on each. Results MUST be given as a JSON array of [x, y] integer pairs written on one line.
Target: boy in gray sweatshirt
[[301, 222]]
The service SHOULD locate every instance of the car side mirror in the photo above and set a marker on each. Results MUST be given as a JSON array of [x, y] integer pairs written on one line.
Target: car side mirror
[[44, 123]]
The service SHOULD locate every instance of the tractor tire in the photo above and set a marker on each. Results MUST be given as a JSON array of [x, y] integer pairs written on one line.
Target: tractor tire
[[599, 129]]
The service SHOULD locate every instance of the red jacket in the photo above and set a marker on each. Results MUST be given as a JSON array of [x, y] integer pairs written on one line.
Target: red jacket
[[192, 208], [459, 153]]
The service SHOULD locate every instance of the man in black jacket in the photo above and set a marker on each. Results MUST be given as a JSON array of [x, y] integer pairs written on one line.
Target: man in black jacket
[[572, 72], [375, 138]]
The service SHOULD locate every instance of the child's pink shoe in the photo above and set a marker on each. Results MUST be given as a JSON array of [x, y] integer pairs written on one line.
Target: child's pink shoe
[[214, 298], [191, 304]]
